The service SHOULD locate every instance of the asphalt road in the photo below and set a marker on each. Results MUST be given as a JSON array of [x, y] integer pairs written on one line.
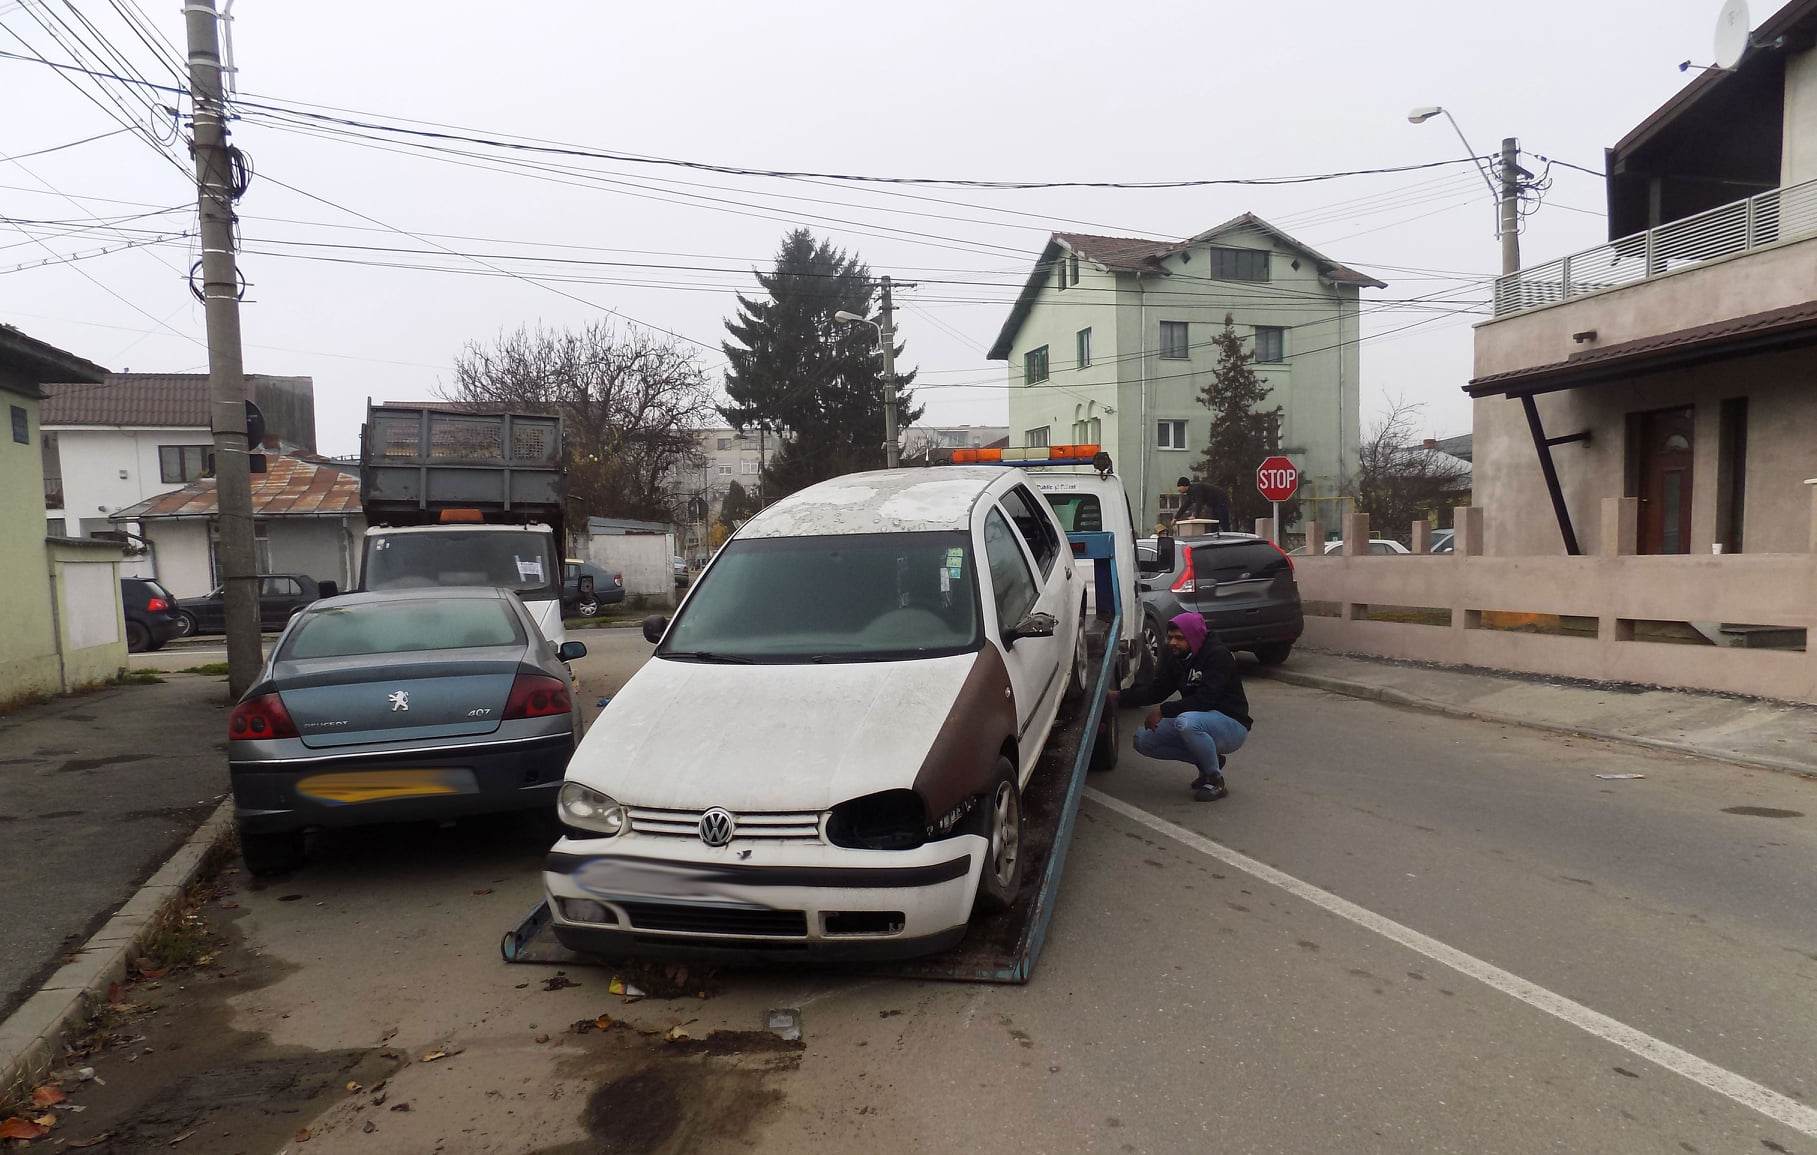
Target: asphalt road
[[1400, 933]]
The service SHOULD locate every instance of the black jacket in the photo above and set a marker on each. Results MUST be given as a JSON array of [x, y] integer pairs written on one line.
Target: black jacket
[[1206, 500], [1209, 680]]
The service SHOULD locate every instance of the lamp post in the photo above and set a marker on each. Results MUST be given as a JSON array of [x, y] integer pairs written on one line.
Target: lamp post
[[886, 336], [1506, 194]]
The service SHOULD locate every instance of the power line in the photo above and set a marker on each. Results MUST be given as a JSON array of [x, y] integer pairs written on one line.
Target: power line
[[1568, 164], [71, 144]]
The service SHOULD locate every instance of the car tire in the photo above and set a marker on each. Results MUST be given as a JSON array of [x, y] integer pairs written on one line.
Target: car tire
[[186, 624], [586, 607], [1001, 879], [1149, 664], [138, 638], [1081, 672], [1274, 654], [1105, 746], [271, 853]]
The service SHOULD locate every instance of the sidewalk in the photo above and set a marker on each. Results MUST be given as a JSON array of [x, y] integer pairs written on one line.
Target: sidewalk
[[1752, 732]]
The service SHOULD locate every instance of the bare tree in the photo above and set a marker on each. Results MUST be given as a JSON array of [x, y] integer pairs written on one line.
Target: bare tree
[[630, 405], [1401, 479]]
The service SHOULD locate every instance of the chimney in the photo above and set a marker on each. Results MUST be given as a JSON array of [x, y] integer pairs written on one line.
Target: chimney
[[1429, 443]]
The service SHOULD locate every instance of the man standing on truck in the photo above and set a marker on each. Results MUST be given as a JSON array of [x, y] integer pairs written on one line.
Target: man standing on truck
[[1211, 717], [1205, 500]]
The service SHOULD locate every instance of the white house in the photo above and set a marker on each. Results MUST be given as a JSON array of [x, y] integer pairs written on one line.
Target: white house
[[1110, 342]]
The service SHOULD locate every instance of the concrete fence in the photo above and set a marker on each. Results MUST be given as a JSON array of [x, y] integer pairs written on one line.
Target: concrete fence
[[1737, 623]]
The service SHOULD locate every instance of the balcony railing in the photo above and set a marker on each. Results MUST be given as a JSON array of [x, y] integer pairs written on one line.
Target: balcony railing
[[1781, 214]]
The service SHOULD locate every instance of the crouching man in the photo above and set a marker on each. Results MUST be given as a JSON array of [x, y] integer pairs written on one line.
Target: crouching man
[[1209, 720]]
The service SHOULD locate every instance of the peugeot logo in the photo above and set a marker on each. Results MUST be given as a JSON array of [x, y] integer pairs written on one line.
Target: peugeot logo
[[716, 827], [400, 700]]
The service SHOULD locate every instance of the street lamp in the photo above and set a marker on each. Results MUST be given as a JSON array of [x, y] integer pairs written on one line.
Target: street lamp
[[1506, 194], [886, 337]]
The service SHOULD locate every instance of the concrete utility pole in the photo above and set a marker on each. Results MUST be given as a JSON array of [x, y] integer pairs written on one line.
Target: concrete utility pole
[[887, 332], [226, 371], [1510, 219]]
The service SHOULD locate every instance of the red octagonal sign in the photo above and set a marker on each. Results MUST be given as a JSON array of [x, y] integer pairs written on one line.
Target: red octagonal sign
[[1277, 478]]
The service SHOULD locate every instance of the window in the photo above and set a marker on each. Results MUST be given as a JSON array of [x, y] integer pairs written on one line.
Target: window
[[1270, 344], [725, 443], [1173, 340], [1089, 432], [1078, 512], [1037, 529], [1083, 341], [725, 471], [279, 587], [56, 527], [181, 464], [1239, 264], [1066, 270], [21, 426], [404, 627], [1170, 435], [1034, 365], [1035, 437], [749, 468], [1012, 586]]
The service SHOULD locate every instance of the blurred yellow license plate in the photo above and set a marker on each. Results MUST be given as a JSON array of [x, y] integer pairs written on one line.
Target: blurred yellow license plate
[[378, 785]]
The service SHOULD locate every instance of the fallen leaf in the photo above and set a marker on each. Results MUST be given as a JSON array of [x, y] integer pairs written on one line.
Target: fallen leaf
[[46, 1120], [179, 1138], [48, 1096], [603, 1022], [488, 890], [676, 1035], [354, 1088], [370, 1127], [290, 898], [404, 1106], [378, 1100], [560, 981], [21, 1128], [432, 1056], [389, 1034], [542, 1038], [380, 1085], [388, 1054], [95, 1142], [303, 1135]]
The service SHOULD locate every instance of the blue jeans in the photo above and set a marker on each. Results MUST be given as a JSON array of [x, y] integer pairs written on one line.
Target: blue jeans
[[1197, 737]]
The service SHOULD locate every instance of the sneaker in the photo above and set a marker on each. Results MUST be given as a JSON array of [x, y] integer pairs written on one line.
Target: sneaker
[[1203, 779], [1212, 790]]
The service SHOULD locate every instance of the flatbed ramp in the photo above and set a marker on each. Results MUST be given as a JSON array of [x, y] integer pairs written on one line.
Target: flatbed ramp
[[999, 948]]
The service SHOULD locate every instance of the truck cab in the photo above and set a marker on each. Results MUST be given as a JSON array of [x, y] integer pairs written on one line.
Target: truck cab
[[520, 558], [1089, 500]]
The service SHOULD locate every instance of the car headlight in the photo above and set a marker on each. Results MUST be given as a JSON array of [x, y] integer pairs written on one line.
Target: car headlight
[[587, 809]]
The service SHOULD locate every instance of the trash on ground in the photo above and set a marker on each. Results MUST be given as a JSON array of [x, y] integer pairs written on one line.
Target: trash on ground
[[621, 987], [1619, 777], [560, 981], [784, 1023]]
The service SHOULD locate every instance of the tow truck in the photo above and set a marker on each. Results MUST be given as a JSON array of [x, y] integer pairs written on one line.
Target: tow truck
[[1004, 948]]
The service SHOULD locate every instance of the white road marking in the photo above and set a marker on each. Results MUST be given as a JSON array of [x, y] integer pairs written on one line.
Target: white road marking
[[1741, 1089]]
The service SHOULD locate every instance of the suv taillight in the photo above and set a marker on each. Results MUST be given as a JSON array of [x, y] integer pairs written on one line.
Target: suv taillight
[[1186, 583], [261, 717], [536, 696], [1284, 554], [156, 606]]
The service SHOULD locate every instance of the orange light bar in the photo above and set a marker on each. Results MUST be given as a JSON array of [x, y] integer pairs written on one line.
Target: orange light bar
[[462, 515]]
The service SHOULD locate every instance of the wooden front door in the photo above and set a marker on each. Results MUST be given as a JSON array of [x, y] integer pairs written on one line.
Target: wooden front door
[[1666, 450]]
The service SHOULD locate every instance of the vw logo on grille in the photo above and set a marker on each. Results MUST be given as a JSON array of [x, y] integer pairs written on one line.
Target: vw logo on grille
[[716, 827]]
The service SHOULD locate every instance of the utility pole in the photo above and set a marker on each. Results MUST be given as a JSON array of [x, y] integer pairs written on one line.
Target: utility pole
[[1510, 218], [226, 372], [888, 334]]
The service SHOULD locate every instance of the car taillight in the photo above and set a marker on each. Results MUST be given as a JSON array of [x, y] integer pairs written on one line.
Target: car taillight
[[536, 696], [1186, 583], [156, 606], [261, 717], [1284, 554]]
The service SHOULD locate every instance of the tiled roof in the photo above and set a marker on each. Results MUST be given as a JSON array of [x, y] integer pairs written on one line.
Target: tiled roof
[[288, 488], [31, 361], [1121, 254], [1757, 332], [167, 399]]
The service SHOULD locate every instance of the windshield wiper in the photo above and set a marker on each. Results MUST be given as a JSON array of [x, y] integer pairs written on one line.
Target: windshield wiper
[[708, 656]]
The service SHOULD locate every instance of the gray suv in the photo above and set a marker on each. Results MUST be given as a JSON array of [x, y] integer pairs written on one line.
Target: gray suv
[[1242, 584]]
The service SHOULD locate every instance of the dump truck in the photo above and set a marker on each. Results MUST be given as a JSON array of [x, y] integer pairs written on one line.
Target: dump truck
[[461, 498]]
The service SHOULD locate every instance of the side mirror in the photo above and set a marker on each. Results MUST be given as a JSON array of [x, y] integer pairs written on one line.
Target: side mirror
[[569, 651], [1035, 625], [585, 585], [328, 589], [654, 627]]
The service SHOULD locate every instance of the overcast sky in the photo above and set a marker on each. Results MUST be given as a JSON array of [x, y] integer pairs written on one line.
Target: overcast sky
[[1058, 90]]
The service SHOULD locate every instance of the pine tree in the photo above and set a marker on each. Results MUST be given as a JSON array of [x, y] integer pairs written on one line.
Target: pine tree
[[794, 367], [1242, 432]]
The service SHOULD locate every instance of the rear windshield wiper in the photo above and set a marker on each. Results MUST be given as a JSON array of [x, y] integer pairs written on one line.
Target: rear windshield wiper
[[708, 656]]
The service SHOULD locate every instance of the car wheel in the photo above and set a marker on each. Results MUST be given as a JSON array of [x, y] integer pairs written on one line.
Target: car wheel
[[138, 638], [587, 607], [1150, 664], [1081, 674], [1273, 655], [186, 624], [1105, 746], [272, 853], [1001, 880]]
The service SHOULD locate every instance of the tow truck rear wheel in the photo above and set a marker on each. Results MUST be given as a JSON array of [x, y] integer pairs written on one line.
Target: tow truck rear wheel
[[1002, 876], [1104, 746]]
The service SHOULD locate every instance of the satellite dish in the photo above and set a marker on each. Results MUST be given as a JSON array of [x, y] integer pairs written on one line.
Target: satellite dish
[[1731, 33]]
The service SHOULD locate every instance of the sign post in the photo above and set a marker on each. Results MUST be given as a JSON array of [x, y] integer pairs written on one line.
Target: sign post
[[1277, 479]]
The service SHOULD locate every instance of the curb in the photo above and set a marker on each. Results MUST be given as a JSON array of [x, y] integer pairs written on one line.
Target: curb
[[31, 1036], [1413, 701]]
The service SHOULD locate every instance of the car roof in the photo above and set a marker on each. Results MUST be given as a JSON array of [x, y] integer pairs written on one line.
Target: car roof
[[887, 501]]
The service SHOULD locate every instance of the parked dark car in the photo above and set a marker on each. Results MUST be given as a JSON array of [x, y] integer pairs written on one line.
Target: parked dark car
[[399, 706], [152, 617], [280, 595], [1242, 584], [608, 589]]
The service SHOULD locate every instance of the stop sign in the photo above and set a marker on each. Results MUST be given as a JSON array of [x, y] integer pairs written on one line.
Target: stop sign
[[1277, 478]]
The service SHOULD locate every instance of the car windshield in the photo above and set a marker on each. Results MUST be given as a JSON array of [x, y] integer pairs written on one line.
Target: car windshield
[[1078, 512], [849, 598], [401, 627], [510, 558]]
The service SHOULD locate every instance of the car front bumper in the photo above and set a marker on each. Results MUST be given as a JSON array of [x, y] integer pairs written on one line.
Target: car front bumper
[[757, 902], [451, 782]]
